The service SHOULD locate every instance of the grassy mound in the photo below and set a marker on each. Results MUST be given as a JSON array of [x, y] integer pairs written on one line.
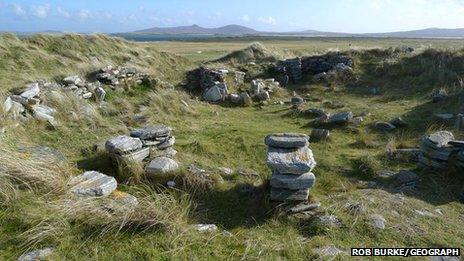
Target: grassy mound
[[256, 52]]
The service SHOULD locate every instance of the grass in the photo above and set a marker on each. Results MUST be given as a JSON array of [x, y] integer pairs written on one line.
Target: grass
[[213, 136]]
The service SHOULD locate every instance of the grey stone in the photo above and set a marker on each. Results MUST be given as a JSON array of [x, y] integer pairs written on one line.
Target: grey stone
[[87, 95], [122, 145], [167, 143], [377, 221], [315, 112], [135, 156], [235, 98], [357, 120], [297, 101], [170, 152], [7, 105], [44, 110], [384, 126], [93, 184], [122, 201], [280, 194], [151, 132], [76, 80], [205, 228], [329, 251], [301, 207], [293, 182], [31, 91], [37, 255], [340, 118], [100, 94], [226, 171], [320, 134], [216, 93], [246, 99], [263, 96], [161, 165], [329, 220], [445, 117], [398, 122], [384, 174], [287, 140], [291, 161], [441, 138]]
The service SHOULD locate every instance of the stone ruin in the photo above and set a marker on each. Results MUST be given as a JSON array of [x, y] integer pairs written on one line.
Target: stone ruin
[[150, 142], [291, 161], [441, 151], [114, 76], [322, 67]]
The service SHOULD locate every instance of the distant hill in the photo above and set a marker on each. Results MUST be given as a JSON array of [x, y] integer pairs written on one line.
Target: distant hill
[[196, 29], [424, 33], [186, 32]]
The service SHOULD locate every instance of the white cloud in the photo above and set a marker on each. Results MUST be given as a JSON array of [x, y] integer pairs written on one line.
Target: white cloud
[[63, 12], [84, 14], [40, 11], [246, 18], [18, 10], [268, 20]]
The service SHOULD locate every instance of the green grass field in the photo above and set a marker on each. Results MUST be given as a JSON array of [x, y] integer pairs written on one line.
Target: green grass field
[[213, 136]]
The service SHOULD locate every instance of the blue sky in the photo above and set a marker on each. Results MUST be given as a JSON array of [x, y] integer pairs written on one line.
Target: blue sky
[[354, 16]]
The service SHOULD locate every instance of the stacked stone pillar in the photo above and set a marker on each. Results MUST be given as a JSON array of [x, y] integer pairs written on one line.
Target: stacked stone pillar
[[291, 161]]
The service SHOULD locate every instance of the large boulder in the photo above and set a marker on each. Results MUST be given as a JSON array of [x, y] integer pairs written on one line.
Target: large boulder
[[291, 161], [340, 118], [93, 184], [287, 140], [161, 165]]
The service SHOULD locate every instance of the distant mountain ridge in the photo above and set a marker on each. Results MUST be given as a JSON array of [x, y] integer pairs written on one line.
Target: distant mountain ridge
[[237, 30], [196, 29]]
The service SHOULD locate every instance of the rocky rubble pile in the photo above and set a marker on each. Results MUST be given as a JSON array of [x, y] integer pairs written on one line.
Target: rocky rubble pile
[[324, 63], [291, 162], [29, 104], [152, 142], [292, 68], [114, 76], [84, 89]]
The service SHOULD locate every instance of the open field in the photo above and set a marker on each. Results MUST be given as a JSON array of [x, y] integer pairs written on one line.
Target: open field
[[251, 227]]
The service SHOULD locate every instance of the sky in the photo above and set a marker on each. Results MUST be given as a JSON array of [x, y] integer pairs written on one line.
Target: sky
[[351, 16]]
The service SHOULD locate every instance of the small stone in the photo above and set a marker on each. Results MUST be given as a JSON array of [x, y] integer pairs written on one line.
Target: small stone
[[340, 118], [301, 207], [32, 90], [93, 184], [122, 200], [76, 80], [320, 134], [385, 174], [355, 207], [7, 105], [171, 184], [246, 99], [123, 145], [357, 120], [398, 122], [405, 177], [161, 165], [167, 143], [287, 140], [87, 95], [170, 152], [329, 220], [206, 227], [445, 117], [377, 221], [37, 255], [329, 251], [384, 126], [226, 171], [235, 98]]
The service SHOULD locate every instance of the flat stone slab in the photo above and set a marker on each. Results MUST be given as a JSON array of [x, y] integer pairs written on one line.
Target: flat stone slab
[[287, 140], [161, 165], [93, 184], [290, 161], [136, 156], [31, 91], [151, 132], [167, 143], [384, 126], [279, 194], [293, 182], [123, 145]]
